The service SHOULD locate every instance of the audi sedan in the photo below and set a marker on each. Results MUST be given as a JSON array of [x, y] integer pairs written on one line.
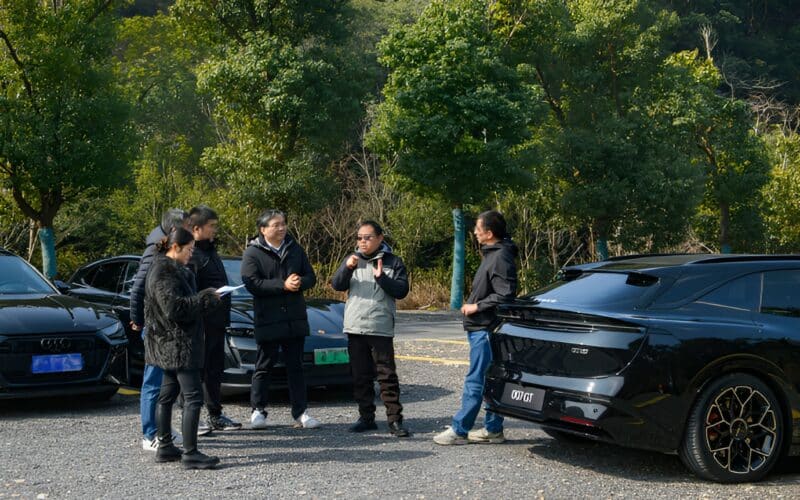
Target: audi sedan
[[52, 344], [326, 362], [697, 355]]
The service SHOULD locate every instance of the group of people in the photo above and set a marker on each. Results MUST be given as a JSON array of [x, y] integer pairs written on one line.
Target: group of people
[[176, 305]]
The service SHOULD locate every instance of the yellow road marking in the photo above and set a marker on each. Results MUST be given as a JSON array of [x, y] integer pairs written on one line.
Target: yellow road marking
[[127, 392], [459, 342], [443, 361]]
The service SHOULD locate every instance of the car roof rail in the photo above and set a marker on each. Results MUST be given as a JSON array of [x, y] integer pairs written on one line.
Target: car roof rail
[[645, 255], [748, 258]]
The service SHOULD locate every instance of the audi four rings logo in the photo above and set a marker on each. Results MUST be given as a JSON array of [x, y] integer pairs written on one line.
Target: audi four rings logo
[[525, 397], [56, 345]]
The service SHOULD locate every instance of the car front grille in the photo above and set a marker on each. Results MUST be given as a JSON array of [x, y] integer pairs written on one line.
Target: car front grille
[[16, 356]]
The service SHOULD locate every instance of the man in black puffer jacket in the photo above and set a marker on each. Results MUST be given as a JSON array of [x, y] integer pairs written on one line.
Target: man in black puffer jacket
[[210, 273], [276, 270]]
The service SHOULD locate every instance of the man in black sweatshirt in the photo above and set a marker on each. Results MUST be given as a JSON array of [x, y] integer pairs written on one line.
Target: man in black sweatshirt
[[210, 273], [495, 282]]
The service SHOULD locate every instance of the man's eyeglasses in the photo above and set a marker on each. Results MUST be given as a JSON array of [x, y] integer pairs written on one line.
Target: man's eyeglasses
[[365, 237]]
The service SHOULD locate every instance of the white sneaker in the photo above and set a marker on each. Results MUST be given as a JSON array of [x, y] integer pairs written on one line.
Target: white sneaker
[[449, 437], [306, 421], [150, 444], [258, 420]]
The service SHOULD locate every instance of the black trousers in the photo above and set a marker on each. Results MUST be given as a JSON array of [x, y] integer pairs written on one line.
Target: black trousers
[[268, 354], [371, 357], [214, 365], [188, 383]]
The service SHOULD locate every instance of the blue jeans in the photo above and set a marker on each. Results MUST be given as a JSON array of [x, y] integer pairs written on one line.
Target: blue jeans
[[151, 387], [480, 356]]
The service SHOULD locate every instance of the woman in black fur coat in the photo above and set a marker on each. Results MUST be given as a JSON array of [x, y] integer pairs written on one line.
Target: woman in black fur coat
[[173, 311]]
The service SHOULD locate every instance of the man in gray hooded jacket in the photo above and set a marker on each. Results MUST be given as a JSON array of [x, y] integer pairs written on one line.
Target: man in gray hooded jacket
[[374, 278]]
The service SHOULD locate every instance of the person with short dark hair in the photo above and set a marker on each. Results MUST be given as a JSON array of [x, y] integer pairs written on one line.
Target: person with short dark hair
[[276, 270], [374, 278], [174, 342], [495, 283], [210, 273], [151, 376]]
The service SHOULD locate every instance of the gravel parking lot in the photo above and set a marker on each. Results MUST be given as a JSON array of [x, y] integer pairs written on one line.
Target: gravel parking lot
[[69, 449]]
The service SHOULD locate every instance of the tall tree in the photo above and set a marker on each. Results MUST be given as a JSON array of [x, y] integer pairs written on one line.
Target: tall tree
[[63, 119], [285, 96], [454, 112]]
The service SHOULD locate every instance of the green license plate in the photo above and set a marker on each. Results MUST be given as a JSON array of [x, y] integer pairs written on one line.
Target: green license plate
[[333, 356]]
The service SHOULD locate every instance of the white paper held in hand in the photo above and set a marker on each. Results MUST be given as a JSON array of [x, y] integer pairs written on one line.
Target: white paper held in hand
[[227, 289]]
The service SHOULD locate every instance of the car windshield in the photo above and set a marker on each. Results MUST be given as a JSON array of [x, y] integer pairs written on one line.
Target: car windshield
[[233, 270], [17, 277], [598, 289]]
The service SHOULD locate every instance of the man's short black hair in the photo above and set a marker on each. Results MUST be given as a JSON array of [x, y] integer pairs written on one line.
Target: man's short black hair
[[268, 215], [375, 226], [173, 218], [200, 215], [494, 222]]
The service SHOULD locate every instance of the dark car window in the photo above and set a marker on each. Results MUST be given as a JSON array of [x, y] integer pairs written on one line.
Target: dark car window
[[780, 293], [741, 294], [130, 276], [596, 289], [18, 277], [106, 276], [233, 269]]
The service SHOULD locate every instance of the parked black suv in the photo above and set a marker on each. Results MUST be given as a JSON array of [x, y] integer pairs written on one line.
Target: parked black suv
[[695, 354]]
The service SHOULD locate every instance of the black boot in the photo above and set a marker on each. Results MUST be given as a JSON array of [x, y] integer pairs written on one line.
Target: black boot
[[167, 451]]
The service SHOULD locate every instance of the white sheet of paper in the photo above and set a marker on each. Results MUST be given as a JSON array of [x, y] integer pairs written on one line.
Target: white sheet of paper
[[228, 289]]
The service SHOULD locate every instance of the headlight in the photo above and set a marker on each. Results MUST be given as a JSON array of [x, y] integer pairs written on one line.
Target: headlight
[[237, 330], [114, 331]]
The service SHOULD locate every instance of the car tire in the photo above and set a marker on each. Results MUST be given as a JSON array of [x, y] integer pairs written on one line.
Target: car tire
[[735, 430]]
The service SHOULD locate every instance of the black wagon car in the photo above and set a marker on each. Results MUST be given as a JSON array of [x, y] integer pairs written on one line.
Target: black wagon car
[[325, 359], [694, 354], [52, 344]]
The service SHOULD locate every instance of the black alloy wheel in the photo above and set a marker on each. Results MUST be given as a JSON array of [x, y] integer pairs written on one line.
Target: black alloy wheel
[[735, 431]]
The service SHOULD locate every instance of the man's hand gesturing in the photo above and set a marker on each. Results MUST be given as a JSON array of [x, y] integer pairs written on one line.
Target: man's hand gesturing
[[352, 261]]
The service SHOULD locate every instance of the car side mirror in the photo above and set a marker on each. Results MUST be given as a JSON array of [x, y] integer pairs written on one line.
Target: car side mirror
[[61, 286]]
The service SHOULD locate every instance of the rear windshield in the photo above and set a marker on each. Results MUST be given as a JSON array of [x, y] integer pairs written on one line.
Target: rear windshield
[[599, 289]]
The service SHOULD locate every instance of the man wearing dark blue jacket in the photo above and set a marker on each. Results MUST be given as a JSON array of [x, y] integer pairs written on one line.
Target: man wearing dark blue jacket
[[151, 379]]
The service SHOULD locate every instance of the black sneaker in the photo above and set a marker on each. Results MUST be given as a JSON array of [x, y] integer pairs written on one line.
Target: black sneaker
[[197, 460], [362, 425], [396, 429], [204, 429], [222, 423]]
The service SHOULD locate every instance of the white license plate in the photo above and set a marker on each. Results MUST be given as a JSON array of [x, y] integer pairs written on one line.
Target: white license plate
[[523, 397]]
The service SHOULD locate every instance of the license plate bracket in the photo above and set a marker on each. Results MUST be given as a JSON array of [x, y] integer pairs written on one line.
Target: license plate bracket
[[530, 398], [331, 356], [56, 363]]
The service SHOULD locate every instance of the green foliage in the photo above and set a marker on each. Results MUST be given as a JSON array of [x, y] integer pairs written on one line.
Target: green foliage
[[454, 109], [781, 203], [283, 96], [63, 118]]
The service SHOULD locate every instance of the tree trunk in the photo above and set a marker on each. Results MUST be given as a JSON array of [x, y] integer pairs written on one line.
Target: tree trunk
[[47, 239], [724, 228], [457, 283]]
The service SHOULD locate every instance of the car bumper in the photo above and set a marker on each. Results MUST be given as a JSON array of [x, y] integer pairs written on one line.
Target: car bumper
[[595, 408], [240, 359]]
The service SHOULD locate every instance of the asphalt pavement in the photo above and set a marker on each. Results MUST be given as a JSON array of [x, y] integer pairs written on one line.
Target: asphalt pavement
[[74, 449]]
